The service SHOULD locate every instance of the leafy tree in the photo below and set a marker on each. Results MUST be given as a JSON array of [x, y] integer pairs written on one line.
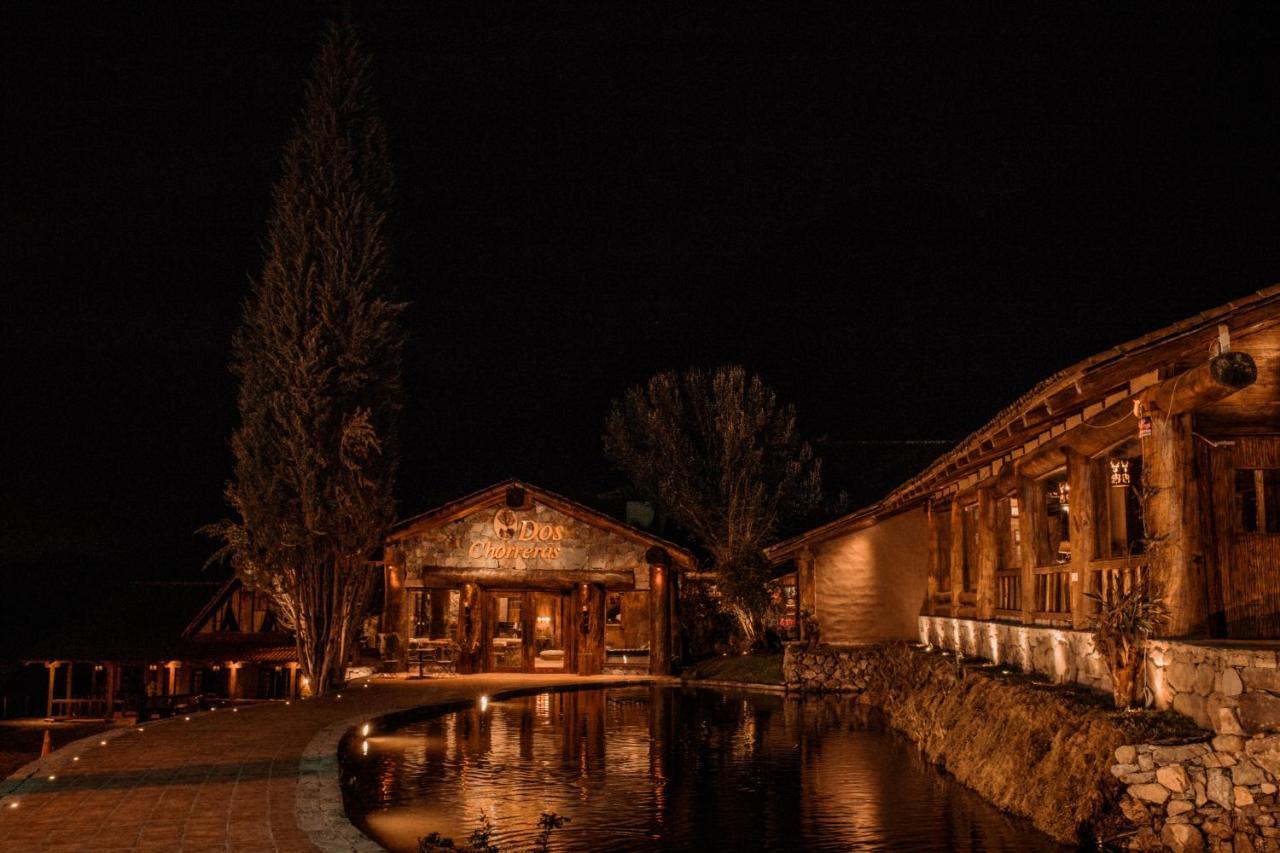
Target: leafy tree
[[722, 456], [317, 356]]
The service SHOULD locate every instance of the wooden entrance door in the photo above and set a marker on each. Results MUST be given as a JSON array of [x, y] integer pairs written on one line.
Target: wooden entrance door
[[510, 633], [1242, 512]]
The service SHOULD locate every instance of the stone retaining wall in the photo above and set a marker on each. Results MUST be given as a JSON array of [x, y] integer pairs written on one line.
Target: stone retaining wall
[[829, 669], [1216, 796], [1232, 691]]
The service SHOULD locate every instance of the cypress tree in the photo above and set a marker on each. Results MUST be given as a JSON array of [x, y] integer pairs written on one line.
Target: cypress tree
[[317, 356]]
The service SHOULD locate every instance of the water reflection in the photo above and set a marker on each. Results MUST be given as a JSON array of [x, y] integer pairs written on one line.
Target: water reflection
[[661, 768]]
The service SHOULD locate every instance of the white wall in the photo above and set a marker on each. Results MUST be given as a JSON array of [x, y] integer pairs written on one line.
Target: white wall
[[871, 583]]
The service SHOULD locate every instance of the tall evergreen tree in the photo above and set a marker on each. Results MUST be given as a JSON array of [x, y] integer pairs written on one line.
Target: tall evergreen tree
[[317, 356]]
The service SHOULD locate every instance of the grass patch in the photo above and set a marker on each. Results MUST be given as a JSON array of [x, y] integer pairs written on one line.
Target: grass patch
[[744, 669]]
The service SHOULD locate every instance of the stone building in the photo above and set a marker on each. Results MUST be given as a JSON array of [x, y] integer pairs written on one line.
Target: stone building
[[516, 578]]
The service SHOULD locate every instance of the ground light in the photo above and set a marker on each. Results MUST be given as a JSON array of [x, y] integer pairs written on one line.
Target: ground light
[[364, 730], [484, 703]]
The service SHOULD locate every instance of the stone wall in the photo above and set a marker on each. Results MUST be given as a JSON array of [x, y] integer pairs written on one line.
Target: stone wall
[[1215, 796], [830, 669], [1232, 691]]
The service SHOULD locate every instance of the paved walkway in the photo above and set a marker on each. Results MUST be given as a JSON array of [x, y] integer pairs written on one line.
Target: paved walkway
[[221, 780]]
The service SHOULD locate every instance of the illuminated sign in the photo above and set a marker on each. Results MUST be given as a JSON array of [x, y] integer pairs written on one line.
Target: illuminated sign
[[1119, 472], [525, 539]]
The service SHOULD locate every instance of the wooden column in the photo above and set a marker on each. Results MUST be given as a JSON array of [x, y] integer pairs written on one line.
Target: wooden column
[[470, 628], [71, 673], [989, 546], [806, 581], [173, 677], [52, 666], [931, 587], [111, 692], [1082, 517], [233, 670], [957, 556], [660, 612], [1031, 517], [590, 627], [1172, 522], [528, 646], [292, 690]]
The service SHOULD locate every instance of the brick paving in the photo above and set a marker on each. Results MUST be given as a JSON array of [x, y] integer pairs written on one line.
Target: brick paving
[[221, 780]]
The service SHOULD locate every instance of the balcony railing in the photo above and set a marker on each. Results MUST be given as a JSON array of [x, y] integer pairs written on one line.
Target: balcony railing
[[1009, 594], [1052, 592]]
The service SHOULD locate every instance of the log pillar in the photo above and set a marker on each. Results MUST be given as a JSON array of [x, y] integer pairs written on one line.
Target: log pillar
[[1082, 514], [111, 692], [660, 595], [233, 669], [292, 691], [989, 546], [172, 666], [71, 672], [806, 588], [931, 587], [1171, 516], [1031, 518], [590, 627], [470, 628], [52, 666], [956, 545]]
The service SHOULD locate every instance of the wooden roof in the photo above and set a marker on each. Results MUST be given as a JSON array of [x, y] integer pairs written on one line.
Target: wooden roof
[[1075, 392], [496, 495]]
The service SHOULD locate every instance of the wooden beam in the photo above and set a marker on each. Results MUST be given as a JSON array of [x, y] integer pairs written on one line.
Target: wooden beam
[[511, 578], [1031, 512], [1214, 380], [1171, 516], [988, 553], [1081, 515], [957, 556]]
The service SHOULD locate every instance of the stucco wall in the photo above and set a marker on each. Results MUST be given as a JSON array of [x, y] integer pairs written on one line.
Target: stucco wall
[[870, 582]]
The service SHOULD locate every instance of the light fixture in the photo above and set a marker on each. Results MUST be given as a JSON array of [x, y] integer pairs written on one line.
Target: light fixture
[[364, 730], [484, 703]]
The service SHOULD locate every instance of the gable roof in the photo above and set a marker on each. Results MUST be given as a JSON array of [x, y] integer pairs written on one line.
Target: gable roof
[[1074, 391], [496, 495]]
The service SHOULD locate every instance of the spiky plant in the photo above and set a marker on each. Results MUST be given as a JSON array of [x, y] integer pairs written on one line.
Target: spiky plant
[[1121, 624]]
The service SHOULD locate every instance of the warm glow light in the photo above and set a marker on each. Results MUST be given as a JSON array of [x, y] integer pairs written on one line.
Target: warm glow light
[[13, 805], [102, 743], [188, 719], [287, 702], [51, 778], [339, 695], [235, 710], [364, 747], [364, 730], [76, 758], [484, 703]]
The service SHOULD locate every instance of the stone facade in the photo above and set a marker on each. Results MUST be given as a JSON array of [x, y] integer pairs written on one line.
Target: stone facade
[[1217, 796], [539, 538], [829, 669], [1229, 690]]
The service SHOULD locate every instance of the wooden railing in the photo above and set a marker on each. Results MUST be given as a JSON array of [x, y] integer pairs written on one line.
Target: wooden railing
[[1009, 593], [1110, 578], [1053, 592]]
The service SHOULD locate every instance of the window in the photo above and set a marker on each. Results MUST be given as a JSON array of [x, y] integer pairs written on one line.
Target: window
[[1258, 500], [1057, 499], [1118, 475], [434, 613]]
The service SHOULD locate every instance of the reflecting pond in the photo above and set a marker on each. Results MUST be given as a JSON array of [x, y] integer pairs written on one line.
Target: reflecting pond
[[668, 768]]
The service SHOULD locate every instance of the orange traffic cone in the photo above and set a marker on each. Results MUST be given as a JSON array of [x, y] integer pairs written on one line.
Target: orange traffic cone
[[47, 746]]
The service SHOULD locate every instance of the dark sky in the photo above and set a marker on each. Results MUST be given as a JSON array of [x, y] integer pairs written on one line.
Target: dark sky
[[902, 218]]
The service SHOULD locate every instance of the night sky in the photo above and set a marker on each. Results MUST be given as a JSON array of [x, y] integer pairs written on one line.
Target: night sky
[[901, 220]]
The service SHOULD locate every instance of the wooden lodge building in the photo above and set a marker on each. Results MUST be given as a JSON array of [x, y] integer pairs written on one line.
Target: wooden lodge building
[[1179, 429], [515, 578]]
